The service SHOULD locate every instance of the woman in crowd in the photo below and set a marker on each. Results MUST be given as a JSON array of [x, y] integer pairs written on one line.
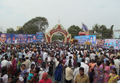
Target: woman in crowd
[[113, 77], [112, 65], [98, 73], [106, 72], [35, 75], [58, 73], [24, 72], [14, 65], [15, 80], [45, 79]]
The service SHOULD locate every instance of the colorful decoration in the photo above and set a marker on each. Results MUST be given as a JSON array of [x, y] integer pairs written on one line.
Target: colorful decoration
[[57, 29]]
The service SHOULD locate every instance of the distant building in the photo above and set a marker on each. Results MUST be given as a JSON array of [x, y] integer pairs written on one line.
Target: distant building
[[116, 34], [18, 27]]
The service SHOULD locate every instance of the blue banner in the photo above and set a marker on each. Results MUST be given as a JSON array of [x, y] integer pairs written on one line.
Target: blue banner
[[17, 38], [115, 43], [86, 38], [39, 36]]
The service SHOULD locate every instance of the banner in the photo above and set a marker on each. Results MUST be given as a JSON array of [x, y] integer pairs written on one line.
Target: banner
[[17, 38], [100, 42], [115, 43], [39, 36], [86, 38]]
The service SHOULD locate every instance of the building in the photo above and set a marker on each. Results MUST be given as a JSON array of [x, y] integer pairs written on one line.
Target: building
[[116, 34], [18, 27]]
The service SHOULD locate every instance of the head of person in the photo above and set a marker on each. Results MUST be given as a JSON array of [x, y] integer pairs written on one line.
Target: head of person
[[92, 60], [81, 71], [18, 72], [83, 60], [31, 71], [3, 38], [78, 64], [32, 66], [23, 66], [10, 79], [15, 80], [4, 71], [112, 62], [107, 63], [114, 71], [98, 63], [36, 70], [45, 76]]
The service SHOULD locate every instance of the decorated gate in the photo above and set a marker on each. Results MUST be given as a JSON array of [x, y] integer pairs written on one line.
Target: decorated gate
[[58, 29]]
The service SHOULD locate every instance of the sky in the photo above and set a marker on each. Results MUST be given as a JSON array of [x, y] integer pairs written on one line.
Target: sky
[[15, 13]]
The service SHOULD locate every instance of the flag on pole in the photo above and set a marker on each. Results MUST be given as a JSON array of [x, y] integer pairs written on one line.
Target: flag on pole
[[84, 27]]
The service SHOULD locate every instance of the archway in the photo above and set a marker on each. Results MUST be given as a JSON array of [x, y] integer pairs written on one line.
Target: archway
[[58, 29], [58, 37]]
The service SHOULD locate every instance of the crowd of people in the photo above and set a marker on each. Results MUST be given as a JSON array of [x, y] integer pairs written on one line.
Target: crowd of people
[[63, 63]]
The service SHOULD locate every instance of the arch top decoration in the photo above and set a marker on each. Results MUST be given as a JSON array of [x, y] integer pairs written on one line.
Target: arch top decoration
[[57, 29]]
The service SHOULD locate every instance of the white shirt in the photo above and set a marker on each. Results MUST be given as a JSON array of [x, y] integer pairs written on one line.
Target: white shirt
[[92, 56], [86, 68], [44, 56], [5, 78], [40, 75], [87, 59], [117, 63], [76, 71], [4, 63], [66, 64], [56, 62]]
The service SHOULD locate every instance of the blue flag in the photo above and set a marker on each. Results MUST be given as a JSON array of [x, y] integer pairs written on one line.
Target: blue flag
[[84, 27]]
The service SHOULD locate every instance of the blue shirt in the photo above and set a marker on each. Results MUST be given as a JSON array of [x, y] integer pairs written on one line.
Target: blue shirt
[[79, 59], [30, 76]]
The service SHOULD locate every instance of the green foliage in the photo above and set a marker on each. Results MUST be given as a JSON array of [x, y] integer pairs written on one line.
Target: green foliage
[[74, 30], [38, 24], [20, 31], [10, 30], [103, 31], [57, 37]]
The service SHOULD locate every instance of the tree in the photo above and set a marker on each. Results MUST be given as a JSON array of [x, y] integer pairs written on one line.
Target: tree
[[103, 31], [74, 30], [20, 31], [10, 30], [38, 24]]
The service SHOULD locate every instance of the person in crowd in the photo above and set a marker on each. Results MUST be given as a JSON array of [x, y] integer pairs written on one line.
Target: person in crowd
[[85, 66], [4, 62], [45, 79], [35, 75], [69, 73], [41, 73], [112, 65], [81, 77], [117, 64], [91, 70], [24, 72], [30, 76], [4, 75], [106, 72], [14, 65], [10, 78], [98, 73], [113, 77], [58, 73], [18, 75], [27, 62], [15, 80], [76, 71]]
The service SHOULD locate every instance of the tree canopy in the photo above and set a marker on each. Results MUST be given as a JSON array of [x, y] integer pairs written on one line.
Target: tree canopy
[[74, 30], [38, 24], [10, 30], [103, 31]]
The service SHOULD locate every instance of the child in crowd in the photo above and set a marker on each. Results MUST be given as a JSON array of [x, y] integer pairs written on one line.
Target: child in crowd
[[30, 76]]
